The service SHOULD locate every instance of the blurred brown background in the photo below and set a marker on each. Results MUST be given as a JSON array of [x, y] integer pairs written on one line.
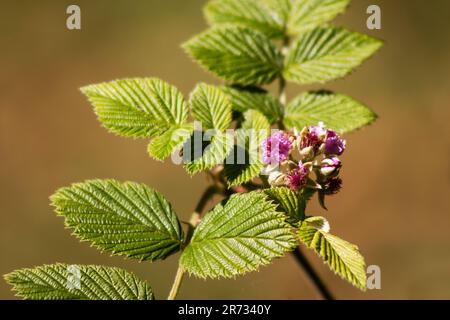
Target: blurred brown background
[[395, 204]]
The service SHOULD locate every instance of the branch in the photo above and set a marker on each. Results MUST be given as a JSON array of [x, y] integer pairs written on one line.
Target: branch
[[193, 222], [312, 275]]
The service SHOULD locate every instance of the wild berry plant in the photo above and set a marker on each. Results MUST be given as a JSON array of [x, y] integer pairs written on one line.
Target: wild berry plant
[[266, 157]]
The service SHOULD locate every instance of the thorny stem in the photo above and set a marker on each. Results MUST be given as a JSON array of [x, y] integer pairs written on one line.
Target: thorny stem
[[193, 222], [298, 254]]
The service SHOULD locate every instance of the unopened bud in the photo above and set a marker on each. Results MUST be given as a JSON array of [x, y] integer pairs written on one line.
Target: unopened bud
[[307, 153], [330, 166], [298, 177], [276, 178], [334, 145], [332, 186]]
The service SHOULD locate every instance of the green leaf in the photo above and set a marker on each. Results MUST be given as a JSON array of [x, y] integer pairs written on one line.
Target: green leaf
[[161, 147], [60, 282], [247, 163], [211, 106], [128, 219], [291, 203], [281, 9], [238, 174], [252, 98], [287, 202], [214, 154], [255, 120], [236, 54], [237, 237], [341, 256], [247, 13], [140, 107], [336, 111], [304, 15], [325, 54]]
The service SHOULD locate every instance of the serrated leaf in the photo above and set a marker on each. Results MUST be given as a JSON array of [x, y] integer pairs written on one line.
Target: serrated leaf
[[304, 15], [280, 8], [236, 54], [140, 107], [255, 120], [291, 203], [247, 13], [287, 202], [211, 107], [252, 98], [237, 237], [238, 174], [161, 147], [214, 154], [246, 163], [325, 54], [341, 256], [60, 282], [128, 219], [336, 111]]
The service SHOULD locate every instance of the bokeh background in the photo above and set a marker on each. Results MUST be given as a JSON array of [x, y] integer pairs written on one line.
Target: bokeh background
[[395, 204]]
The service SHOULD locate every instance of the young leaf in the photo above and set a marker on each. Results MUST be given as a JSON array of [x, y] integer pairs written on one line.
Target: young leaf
[[249, 98], [211, 106], [60, 282], [325, 54], [238, 174], [247, 13], [304, 15], [286, 201], [141, 107], [236, 54], [215, 153], [255, 120], [341, 256], [161, 147], [240, 236], [128, 219], [336, 111], [247, 163]]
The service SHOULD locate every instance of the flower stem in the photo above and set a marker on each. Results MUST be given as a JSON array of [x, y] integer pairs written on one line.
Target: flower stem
[[193, 222], [312, 275]]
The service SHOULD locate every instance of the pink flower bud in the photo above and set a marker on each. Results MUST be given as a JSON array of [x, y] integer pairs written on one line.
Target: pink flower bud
[[332, 186], [297, 178], [334, 145], [330, 166], [311, 139], [276, 148]]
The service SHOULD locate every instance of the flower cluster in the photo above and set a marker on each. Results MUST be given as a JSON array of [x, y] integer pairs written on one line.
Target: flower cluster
[[291, 157]]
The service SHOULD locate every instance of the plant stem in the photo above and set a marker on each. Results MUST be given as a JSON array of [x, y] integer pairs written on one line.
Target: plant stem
[[282, 90], [312, 275], [282, 85], [193, 222], [282, 99], [298, 254], [176, 284]]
